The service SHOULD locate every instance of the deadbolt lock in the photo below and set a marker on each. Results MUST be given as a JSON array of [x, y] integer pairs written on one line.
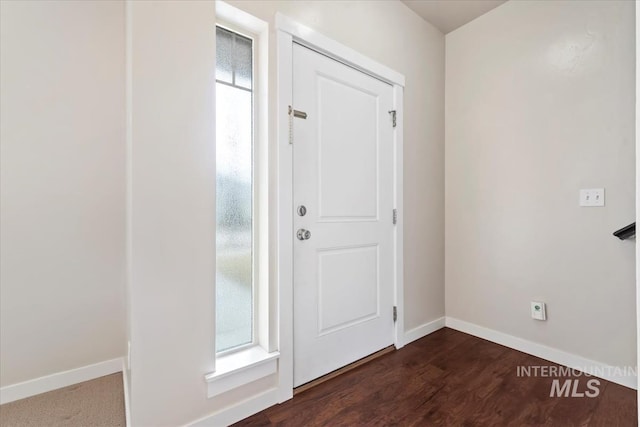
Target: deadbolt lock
[[302, 210]]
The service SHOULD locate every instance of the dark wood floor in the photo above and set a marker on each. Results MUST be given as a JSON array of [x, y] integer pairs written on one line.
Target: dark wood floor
[[449, 379]]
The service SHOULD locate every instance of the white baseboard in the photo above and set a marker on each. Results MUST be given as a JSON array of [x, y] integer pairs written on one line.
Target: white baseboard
[[125, 385], [240, 411], [424, 330], [599, 369], [58, 380]]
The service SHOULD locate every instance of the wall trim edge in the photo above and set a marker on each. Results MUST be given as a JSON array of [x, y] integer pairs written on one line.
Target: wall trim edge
[[424, 330], [58, 380], [240, 411], [125, 385]]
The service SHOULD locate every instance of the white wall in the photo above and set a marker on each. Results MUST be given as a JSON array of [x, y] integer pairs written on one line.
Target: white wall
[[172, 209], [172, 183], [539, 104], [62, 186]]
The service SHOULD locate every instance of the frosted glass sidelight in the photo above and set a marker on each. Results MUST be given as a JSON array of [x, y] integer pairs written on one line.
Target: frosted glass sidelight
[[243, 62], [224, 55], [234, 198]]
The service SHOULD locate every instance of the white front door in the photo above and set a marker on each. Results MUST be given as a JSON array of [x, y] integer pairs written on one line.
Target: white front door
[[343, 176]]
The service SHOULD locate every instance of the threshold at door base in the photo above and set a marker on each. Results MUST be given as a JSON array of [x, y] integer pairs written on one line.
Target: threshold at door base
[[343, 370]]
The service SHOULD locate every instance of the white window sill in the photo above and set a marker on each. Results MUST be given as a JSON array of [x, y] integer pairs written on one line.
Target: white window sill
[[240, 368]]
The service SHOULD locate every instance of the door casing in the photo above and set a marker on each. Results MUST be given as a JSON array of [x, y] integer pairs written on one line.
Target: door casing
[[288, 31]]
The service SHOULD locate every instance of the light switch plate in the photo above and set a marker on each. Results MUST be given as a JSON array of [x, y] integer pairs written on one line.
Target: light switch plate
[[593, 197]]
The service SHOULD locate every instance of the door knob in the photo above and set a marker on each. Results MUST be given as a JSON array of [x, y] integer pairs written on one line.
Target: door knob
[[303, 234]]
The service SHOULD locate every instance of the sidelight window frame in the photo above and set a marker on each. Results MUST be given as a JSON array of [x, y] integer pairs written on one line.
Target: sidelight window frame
[[255, 188], [247, 363]]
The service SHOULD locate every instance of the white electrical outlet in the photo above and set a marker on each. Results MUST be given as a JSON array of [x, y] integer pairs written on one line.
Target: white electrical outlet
[[592, 197], [538, 310]]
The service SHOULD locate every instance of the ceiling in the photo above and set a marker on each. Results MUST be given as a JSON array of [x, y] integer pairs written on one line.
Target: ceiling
[[447, 15]]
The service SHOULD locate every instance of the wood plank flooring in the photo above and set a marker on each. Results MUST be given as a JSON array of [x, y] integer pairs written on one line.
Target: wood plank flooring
[[450, 379]]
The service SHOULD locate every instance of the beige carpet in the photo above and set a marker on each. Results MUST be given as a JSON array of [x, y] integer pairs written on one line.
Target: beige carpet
[[95, 403]]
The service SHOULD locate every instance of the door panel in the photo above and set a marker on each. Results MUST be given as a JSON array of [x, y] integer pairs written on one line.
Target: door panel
[[348, 287], [343, 175], [349, 150]]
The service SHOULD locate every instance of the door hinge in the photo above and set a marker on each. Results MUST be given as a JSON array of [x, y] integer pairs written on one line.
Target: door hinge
[[395, 216], [393, 117], [395, 313]]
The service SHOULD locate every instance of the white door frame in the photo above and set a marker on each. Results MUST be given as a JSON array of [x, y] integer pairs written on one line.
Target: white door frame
[[289, 31]]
